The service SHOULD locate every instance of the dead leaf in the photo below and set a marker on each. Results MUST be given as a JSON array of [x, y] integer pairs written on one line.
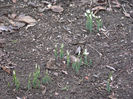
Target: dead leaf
[[14, 1], [17, 24], [126, 14], [26, 19], [98, 8], [78, 51], [6, 69], [74, 59], [56, 8]]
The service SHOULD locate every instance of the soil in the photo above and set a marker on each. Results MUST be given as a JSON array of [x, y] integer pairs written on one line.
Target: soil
[[110, 50]]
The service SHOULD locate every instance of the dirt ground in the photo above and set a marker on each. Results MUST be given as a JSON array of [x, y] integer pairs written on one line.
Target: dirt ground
[[110, 50]]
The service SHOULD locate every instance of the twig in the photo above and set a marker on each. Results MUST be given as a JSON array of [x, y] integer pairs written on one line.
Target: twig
[[100, 54]]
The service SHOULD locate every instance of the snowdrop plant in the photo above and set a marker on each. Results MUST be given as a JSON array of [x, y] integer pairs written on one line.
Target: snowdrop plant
[[55, 51], [89, 21], [36, 75], [15, 80], [99, 22], [46, 78], [85, 56], [110, 78], [68, 59], [61, 51]]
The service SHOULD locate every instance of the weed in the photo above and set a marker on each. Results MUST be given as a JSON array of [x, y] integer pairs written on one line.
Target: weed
[[61, 51], [68, 59], [15, 80], [55, 52], [46, 78], [36, 75], [108, 82], [29, 82]]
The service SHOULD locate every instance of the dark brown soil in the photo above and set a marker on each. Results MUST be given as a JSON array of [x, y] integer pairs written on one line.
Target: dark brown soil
[[26, 48]]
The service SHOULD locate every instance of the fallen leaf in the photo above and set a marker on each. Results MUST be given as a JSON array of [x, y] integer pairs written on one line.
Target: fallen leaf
[[86, 77], [126, 14], [6, 69], [78, 51], [98, 8], [26, 19], [74, 59], [65, 72], [14, 1], [56, 8], [17, 24]]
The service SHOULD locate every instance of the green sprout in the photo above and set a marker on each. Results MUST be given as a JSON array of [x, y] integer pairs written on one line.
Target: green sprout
[[55, 52], [109, 81], [68, 59], [99, 23], [46, 78], [76, 65], [89, 22], [61, 51], [15, 80], [90, 62], [29, 82], [36, 75], [66, 88], [85, 57]]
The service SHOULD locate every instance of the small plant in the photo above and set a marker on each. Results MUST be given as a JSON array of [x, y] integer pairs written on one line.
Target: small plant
[[15, 80], [89, 22], [46, 78], [68, 59], [76, 65], [29, 82], [110, 78], [66, 88], [36, 75], [99, 22], [61, 51], [55, 52], [90, 62], [85, 57]]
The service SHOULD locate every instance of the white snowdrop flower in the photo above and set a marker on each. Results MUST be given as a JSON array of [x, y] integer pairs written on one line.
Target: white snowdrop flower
[[88, 11], [85, 52]]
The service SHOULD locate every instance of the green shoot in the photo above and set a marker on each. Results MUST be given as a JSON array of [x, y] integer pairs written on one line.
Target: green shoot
[[36, 75], [46, 78], [55, 51], [76, 65], [99, 23], [15, 80], [89, 22], [90, 62], [108, 82], [85, 57], [61, 51], [66, 88], [29, 82], [68, 59]]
